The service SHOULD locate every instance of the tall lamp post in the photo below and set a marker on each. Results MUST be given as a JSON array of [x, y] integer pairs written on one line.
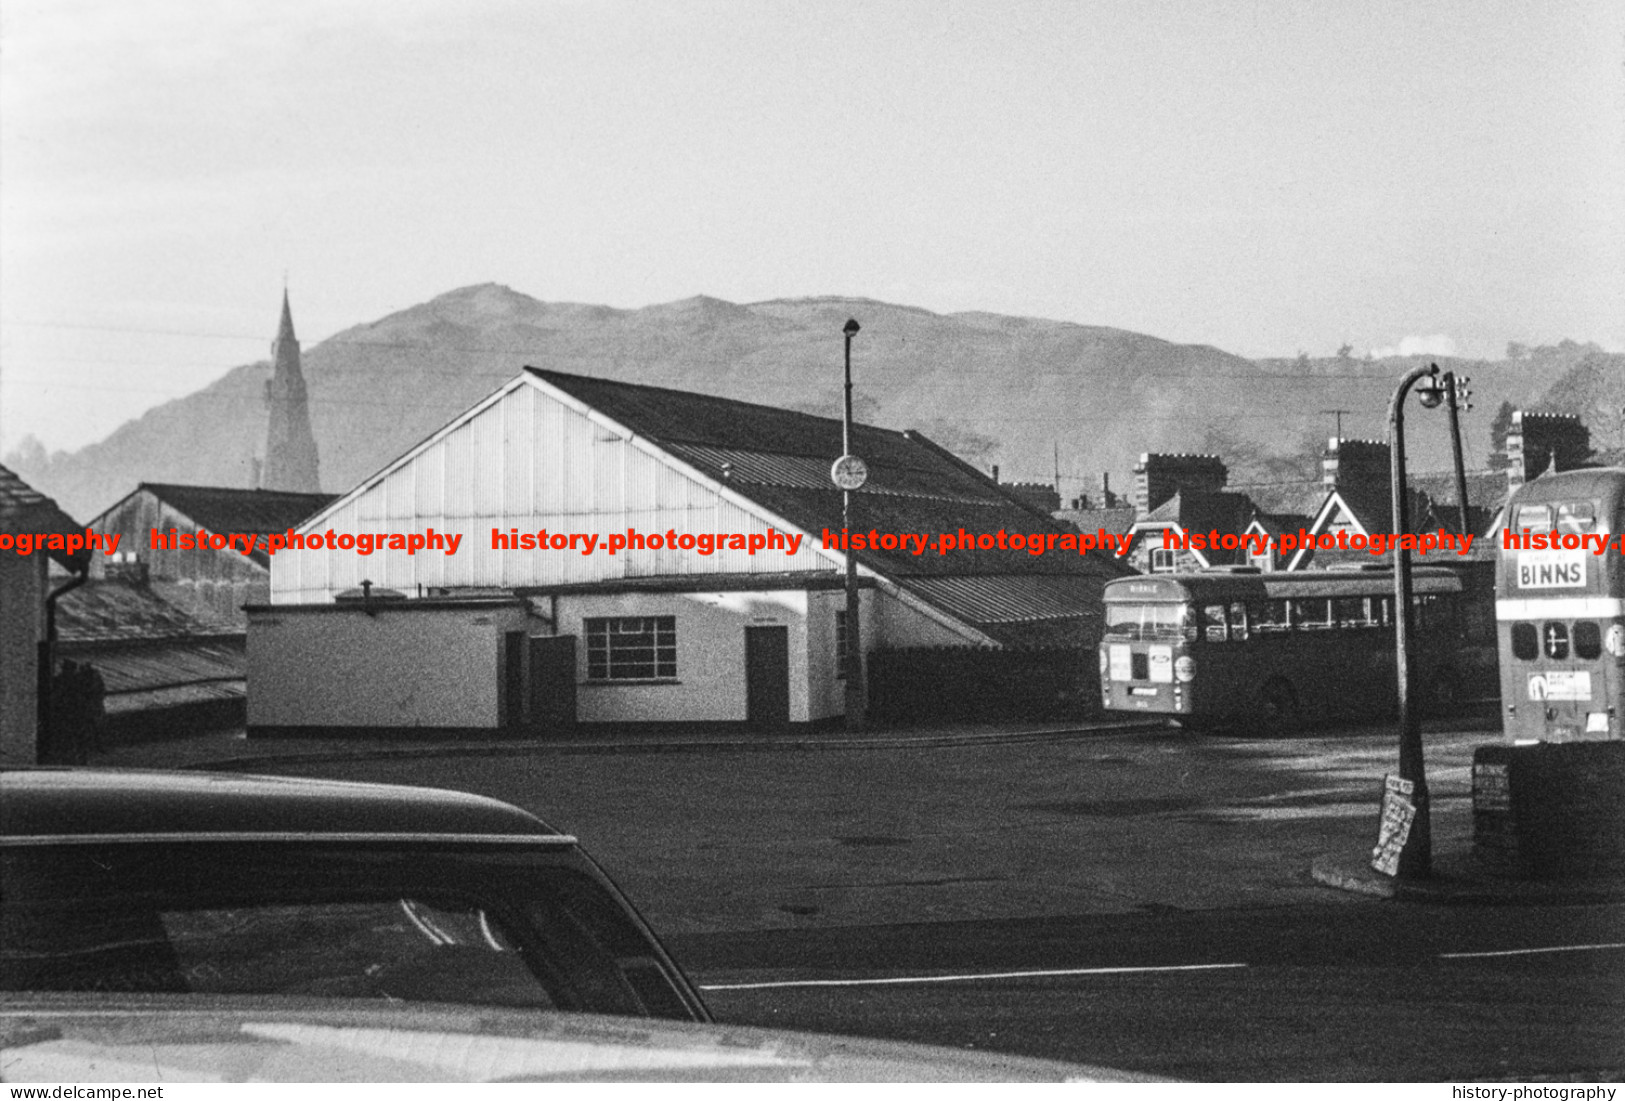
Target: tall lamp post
[[1416, 857], [849, 473]]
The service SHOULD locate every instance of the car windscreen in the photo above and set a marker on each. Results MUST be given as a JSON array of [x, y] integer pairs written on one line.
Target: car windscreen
[[388, 922]]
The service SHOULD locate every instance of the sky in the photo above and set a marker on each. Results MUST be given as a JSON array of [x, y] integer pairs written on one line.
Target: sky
[[1265, 176]]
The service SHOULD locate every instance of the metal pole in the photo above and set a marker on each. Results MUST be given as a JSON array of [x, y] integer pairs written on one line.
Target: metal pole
[[853, 658], [1455, 448], [1416, 858]]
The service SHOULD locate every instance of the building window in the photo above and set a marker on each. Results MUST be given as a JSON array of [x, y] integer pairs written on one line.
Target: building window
[[840, 644], [1163, 561], [632, 648]]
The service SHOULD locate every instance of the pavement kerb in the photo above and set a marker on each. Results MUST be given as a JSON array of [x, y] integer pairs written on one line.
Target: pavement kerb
[[1457, 882], [247, 762]]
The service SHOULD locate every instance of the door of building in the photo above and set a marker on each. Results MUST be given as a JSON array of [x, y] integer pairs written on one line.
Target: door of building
[[767, 678], [552, 682]]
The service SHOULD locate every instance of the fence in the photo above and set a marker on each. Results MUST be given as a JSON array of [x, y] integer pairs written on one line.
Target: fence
[[955, 683]]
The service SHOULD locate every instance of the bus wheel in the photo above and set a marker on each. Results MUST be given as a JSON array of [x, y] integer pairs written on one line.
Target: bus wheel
[[1277, 707]]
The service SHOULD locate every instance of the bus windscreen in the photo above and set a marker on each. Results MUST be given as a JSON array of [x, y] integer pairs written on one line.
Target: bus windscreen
[[1146, 621]]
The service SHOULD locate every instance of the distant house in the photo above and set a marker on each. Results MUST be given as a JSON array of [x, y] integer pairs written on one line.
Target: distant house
[[1106, 513], [1358, 501], [25, 589], [210, 585], [497, 636], [1178, 494], [1359, 496]]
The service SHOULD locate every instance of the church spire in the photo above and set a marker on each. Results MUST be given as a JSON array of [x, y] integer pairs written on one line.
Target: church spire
[[290, 446], [284, 331]]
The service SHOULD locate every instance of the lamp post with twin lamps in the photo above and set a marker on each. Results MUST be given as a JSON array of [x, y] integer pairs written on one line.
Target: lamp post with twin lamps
[[1416, 856]]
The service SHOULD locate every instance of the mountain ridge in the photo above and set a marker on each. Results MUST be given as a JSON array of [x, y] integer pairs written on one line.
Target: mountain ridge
[[993, 388]]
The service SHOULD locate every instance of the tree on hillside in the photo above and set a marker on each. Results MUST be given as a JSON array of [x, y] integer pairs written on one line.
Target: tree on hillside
[[1346, 352], [1516, 351]]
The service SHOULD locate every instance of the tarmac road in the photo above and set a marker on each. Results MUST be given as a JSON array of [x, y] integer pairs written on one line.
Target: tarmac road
[[1375, 992], [1144, 850]]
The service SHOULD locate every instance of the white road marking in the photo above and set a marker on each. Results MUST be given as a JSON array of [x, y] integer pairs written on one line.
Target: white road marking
[[986, 975], [1529, 951]]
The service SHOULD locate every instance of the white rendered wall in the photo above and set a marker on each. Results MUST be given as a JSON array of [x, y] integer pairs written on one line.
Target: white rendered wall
[[424, 667], [531, 461], [710, 682]]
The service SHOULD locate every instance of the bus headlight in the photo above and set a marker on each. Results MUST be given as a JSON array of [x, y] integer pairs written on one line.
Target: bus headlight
[[1185, 669]]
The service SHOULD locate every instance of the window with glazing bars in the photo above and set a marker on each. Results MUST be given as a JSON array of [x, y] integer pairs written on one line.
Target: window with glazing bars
[[632, 648]]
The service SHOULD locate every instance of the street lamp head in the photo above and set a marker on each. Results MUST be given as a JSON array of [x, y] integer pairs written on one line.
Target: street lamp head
[[1430, 392], [851, 328]]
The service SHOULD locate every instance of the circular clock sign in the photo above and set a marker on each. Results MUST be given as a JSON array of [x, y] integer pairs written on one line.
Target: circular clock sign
[[849, 472]]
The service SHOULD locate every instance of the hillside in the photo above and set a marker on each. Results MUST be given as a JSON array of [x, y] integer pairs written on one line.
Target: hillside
[[993, 388]]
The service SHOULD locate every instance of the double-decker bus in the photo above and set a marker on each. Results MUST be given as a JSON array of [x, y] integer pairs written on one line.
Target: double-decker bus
[[1276, 650], [1560, 607]]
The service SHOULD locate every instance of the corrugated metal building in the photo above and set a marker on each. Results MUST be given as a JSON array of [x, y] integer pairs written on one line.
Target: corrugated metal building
[[212, 585], [652, 634]]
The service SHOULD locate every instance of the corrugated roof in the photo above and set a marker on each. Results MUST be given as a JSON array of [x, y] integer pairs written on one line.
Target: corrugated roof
[[781, 460], [738, 466], [219, 666], [228, 510], [25, 509], [109, 611], [1012, 599]]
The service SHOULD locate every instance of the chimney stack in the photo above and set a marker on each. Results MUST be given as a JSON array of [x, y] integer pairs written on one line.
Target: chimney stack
[[1158, 477], [1540, 443]]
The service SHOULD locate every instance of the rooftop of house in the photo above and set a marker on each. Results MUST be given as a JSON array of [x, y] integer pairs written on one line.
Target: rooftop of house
[[1195, 510], [24, 509], [1115, 521]]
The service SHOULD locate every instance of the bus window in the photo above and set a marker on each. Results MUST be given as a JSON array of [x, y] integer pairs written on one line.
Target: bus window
[[1238, 622], [1352, 611], [1557, 640], [1311, 615], [1268, 617], [1433, 612], [1533, 517], [1213, 623], [1578, 517], [1587, 640], [1384, 612], [1525, 642]]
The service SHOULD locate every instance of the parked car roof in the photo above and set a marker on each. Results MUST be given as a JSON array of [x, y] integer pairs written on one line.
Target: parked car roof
[[93, 805]]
